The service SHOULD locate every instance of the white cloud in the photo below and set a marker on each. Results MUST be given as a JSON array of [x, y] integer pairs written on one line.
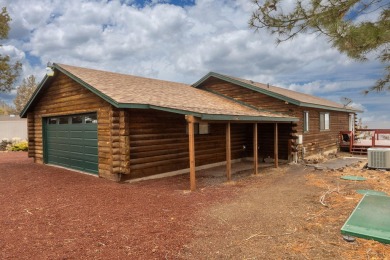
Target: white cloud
[[180, 44]]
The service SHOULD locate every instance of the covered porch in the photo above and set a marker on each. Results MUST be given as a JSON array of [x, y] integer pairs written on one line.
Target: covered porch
[[254, 138]]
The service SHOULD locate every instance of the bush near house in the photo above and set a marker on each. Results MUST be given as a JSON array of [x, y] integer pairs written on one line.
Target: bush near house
[[16, 144]]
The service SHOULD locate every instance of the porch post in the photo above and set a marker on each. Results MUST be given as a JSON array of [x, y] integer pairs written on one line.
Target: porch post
[[276, 155], [228, 153], [191, 148], [255, 152]]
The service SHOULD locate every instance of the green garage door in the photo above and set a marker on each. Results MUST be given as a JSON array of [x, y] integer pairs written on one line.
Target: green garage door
[[71, 141]]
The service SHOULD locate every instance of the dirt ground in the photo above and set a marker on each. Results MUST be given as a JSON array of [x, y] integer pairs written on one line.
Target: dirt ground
[[52, 213]]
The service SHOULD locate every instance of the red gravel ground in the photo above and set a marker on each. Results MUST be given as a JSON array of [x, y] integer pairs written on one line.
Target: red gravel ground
[[52, 213]]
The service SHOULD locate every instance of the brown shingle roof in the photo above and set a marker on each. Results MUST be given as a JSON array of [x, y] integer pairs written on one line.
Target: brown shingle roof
[[282, 93], [127, 89]]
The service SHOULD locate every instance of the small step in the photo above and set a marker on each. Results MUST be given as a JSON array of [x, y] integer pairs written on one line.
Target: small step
[[361, 150]]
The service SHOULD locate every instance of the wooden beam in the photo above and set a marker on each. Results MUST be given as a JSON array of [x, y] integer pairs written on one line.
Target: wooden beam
[[191, 148], [276, 152], [255, 151], [228, 153]]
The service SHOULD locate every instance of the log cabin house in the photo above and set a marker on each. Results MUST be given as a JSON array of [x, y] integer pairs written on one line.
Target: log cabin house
[[122, 127]]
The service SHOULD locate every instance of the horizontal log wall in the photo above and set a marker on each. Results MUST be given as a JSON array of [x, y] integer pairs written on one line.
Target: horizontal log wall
[[319, 141], [159, 143], [65, 96], [315, 140]]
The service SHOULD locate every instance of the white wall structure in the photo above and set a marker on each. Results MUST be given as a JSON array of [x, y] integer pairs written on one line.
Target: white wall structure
[[13, 127]]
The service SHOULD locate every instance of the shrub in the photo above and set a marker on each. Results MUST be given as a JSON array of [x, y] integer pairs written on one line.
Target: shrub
[[18, 146]]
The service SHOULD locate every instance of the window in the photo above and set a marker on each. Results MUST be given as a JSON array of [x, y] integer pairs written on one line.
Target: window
[[91, 119], [306, 121], [324, 121], [351, 122], [203, 128], [77, 119], [64, 120], [200, 129], [52, 121]]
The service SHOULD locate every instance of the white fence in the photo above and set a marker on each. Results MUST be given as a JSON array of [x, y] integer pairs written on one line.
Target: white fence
[[14, 128]]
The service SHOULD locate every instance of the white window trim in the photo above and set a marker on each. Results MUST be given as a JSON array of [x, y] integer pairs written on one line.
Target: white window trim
[[306, 121], [326, 125], [351, 122]]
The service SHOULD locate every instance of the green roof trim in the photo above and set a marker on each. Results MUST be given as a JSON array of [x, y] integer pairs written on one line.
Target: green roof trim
[[269, 93], [210, 117], [247, 118], [47, 79], [87, 86], [23, 114]]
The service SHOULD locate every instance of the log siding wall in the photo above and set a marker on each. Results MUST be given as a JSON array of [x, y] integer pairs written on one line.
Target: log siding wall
[[159, 143], [315, 140]]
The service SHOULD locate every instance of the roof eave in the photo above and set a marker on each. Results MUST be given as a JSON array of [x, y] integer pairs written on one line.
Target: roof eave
[[46, 79], [245, 85], [269, 93], [350, 110], [87, 86], [211, 117]]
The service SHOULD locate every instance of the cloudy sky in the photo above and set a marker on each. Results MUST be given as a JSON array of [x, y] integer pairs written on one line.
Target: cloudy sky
[[182, 41]]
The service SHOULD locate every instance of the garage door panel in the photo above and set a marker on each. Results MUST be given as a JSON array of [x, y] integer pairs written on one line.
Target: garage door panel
[[76, 134], [76, 141], [90, 143], [90, 150], [72, 145], [62, 133]]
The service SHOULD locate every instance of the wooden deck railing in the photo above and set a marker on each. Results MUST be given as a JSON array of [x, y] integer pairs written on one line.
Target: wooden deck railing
[[355, 139]]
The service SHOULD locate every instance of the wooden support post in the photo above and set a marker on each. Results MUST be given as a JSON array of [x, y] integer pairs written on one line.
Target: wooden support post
[[228, 153], [276, 152], [255, 151], [191, 147], [351, 142]]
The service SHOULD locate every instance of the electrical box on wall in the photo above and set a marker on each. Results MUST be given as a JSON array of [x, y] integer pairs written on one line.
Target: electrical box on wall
[[300, 139]]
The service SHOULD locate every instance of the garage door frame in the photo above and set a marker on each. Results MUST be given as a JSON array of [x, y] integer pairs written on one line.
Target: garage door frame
[[45, 140]]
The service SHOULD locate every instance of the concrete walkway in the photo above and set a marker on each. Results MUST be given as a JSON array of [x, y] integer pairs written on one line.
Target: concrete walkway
[[337, 163]]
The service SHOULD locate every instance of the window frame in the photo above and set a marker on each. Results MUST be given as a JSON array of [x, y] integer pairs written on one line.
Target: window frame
[[201, 128], [324, 124], [306, 121], [351, 122]]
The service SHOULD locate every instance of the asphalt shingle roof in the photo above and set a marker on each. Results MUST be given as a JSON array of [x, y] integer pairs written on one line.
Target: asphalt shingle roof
[[128, 89], [297, 98], [301, 97]]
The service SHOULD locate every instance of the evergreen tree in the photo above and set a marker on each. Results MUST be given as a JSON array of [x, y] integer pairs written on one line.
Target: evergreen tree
[[343, 22]]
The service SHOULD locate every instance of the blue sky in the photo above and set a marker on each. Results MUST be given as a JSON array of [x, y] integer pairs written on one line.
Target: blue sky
[[182, 41]]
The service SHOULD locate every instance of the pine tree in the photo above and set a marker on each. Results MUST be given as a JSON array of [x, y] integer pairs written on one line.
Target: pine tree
[[341, 21]]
